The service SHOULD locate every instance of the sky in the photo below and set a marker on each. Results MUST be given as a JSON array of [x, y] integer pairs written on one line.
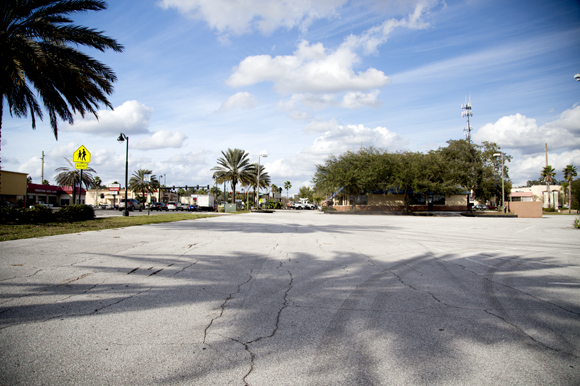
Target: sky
[[300, 80]]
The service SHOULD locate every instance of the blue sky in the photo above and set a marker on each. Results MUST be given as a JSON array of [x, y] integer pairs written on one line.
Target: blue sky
[[301, 80]]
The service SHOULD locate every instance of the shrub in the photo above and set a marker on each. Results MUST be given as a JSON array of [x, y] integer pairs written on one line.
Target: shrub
[[73, 213], [9, 214], [549, 209], [35, 215], [274, 205], [577, 223], [38, 214]]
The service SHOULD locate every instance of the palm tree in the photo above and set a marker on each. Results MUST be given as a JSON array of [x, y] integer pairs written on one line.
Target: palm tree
[[39, 52], [287, 186], [137, 182], [264, 178], [548, 173], [233, 167], [69, 176], [569, 173], [97, 182]]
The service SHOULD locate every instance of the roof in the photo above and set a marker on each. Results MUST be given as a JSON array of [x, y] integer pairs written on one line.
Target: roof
[[37, 188]]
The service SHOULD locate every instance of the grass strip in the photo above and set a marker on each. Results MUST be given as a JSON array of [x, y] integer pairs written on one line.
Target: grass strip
[[26, 231]]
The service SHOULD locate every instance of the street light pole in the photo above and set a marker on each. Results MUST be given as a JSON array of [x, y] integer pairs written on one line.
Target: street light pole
[[502, 182], [122, 138], [258, 174]]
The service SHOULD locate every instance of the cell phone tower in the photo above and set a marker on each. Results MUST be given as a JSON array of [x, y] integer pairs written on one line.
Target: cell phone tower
[[467, 113]]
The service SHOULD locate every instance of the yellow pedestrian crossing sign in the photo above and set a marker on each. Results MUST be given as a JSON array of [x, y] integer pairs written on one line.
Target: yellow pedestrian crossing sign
[[82, 155], [81, 165]]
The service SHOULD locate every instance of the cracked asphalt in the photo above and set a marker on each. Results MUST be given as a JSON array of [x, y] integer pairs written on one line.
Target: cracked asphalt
[[295, 298]]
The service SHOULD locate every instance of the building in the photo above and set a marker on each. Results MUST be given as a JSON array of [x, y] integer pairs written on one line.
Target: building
[[104, 196], [538, 193], [13, 187], [393, 201], [53, 195]]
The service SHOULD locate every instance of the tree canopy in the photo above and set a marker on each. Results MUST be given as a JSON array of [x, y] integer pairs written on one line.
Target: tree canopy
[[234, 167], [39, 52], [452, 169]]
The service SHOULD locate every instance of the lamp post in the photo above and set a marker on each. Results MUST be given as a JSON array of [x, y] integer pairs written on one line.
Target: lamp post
[[502, 183], [258, 174], [122, 138]]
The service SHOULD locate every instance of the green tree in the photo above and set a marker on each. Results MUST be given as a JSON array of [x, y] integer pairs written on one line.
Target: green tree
[[69, 176], [45, 182], [366, 170], [233, 167], [253, 178], [39, 46], [287, 186], [548, 174], [137, 183], [569, 173], [97, 183], [306, 192]]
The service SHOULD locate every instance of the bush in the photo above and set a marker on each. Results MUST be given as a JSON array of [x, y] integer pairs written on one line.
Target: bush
[[38, 214], [274, 205], [549, 209], [575, 205], [9, 214], [577, 223], [73, 213], [35, 215]]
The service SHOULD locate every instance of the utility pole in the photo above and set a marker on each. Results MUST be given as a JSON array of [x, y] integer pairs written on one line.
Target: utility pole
[[42, 173], [548, 179]]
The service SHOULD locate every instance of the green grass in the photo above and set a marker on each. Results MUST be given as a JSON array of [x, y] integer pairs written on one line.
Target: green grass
[[26, 231]]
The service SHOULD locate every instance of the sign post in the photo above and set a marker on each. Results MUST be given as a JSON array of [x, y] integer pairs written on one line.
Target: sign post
[[81, 158]]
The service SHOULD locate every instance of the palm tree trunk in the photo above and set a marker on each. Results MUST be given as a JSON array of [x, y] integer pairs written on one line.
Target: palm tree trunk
[[570, 197]]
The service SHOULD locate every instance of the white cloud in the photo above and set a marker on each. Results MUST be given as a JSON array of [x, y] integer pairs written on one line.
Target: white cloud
[[243, 100], [130, 118], [355, 100], [160, 140], [351, 137], [242, 16], [530, 167], [523, 134], [310, 69], [318, 126], [336, 139]]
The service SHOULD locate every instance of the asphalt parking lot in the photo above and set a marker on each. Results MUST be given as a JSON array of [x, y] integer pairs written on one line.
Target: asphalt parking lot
[[295, 298]]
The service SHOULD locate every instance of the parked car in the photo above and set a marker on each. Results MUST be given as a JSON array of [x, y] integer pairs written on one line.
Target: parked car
[[182, 206], [159, 206], [192, 208], [132, 204], [174, 206], [41, 203]]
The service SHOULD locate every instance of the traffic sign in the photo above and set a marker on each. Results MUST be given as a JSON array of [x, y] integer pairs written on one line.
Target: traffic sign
[[81, 165], [82, 155]]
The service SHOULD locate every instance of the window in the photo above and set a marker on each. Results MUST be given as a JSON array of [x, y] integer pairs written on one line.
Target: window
[[438, 200], [418, 199]]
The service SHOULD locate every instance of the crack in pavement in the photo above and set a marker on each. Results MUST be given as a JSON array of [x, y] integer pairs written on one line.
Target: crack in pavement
[[422, 290], [521, 331], [223, 307], [274, 331]]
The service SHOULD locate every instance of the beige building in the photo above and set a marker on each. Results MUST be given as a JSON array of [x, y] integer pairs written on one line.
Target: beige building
[[538, 193], [395, 202], [13, 187], [103, 196]]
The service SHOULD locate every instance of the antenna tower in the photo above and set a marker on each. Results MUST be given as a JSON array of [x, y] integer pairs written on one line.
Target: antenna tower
[[467, 113]]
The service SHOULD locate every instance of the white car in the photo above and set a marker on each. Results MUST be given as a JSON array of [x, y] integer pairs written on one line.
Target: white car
[[174, 206]]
